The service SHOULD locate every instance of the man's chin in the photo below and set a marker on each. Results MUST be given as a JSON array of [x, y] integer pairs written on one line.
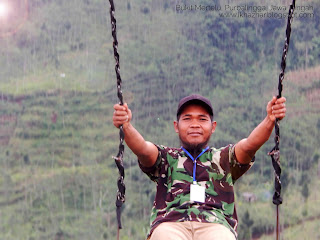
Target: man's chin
[[194, 146]]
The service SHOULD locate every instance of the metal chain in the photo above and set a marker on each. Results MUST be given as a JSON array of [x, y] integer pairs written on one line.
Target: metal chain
[[119, 158], [275, 152]]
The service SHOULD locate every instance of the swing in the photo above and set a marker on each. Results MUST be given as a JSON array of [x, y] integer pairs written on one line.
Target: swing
[[274, 153]]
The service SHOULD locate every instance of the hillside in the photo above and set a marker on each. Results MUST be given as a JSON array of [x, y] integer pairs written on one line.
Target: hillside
[[57, 90]]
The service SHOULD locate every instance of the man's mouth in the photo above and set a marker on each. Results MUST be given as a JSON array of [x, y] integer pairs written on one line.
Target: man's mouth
[[194, 133]]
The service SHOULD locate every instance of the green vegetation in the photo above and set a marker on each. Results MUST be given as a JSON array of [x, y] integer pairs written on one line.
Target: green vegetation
[[57, 90]]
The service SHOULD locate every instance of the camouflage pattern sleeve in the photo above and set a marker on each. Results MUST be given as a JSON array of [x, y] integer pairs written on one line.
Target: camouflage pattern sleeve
[[153, 172], [237, 169]]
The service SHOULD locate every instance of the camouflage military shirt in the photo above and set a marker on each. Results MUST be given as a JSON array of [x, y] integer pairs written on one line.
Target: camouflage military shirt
[[217, 170]]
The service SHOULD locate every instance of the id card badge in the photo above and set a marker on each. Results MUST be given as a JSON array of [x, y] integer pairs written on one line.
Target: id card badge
[[197, 193]]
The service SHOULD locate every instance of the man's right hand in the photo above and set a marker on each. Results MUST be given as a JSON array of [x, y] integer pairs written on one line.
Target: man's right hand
[[122, 115], [146, 152]]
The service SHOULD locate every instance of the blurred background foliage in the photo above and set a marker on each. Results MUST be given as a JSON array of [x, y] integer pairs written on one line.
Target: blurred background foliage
[[57, 90]]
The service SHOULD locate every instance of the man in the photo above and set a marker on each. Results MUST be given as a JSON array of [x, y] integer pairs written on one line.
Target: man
[[195, 198]]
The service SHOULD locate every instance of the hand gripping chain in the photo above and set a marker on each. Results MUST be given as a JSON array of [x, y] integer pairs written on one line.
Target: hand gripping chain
[[119, 158], [275, 152]]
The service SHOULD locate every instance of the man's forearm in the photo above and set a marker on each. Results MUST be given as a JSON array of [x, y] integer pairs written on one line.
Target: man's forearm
[[146, 152], [246, 148], [259, 135]]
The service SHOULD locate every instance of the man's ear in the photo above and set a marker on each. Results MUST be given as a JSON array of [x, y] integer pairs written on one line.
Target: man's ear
[[176, 128], [214, 125]]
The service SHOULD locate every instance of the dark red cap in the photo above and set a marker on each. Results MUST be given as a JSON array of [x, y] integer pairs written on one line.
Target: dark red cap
[[195, 98]]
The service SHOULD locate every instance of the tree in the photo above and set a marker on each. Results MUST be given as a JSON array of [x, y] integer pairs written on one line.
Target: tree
[[247, 223]]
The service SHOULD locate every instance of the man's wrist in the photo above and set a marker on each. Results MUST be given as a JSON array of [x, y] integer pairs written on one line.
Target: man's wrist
[[270, 122]]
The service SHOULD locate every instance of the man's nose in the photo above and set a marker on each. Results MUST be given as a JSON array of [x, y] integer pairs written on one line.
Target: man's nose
[[195, 124]]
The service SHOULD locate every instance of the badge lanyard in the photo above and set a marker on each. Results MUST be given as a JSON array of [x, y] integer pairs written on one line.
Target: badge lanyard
[[194, 161]]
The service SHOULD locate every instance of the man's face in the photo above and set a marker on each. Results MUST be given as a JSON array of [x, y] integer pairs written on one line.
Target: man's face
[[194, 126]]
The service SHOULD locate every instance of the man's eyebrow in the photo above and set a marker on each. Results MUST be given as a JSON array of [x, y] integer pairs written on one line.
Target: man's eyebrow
[[199, 115]]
